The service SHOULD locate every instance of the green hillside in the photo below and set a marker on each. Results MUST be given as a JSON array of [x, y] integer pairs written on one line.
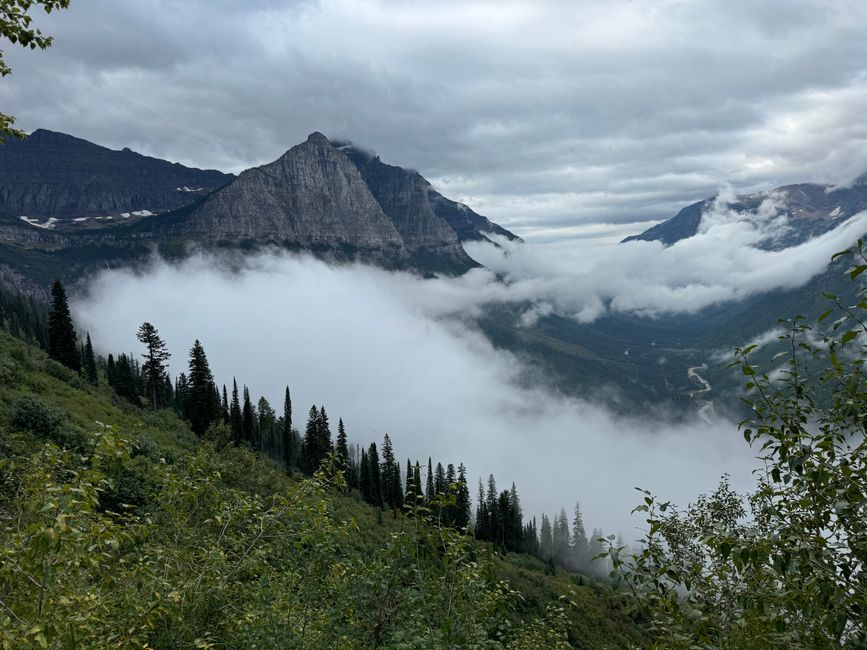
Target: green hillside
[[121, 528]]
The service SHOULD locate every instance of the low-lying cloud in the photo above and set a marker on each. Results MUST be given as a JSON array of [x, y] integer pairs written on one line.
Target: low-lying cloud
[[389, 353], [587, 279]]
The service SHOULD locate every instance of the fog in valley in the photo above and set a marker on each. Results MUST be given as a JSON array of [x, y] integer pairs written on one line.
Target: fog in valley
[[393, 353]]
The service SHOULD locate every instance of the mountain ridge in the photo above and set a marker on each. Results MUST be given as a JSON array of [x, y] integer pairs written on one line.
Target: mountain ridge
[[812, 209], [83, 208]]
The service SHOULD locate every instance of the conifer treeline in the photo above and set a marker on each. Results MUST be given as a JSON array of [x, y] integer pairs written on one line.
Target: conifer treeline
[[378, 479]]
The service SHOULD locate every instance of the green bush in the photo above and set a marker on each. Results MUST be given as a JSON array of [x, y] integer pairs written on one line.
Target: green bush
[[32, 414]]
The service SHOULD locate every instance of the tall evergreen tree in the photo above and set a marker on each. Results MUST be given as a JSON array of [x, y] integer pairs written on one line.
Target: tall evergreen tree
[[248, 419], [440, 480], [561, 539], [342, 452], [375, 476], [200, 405], [89, 363], [310, 446], [288, 451], [236, 422], [364, 477], [265, 423], [546, 540], [429, 491], [580, 545], [109, 370], [462, 509], [392, 491], [156, 355], [224, 406], [62, 346], [124, 380]]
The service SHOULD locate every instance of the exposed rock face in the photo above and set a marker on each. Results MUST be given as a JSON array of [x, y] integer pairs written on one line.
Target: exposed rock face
[[406, 198], [312, 196], [422, 215], [811, 209], [52, 174]]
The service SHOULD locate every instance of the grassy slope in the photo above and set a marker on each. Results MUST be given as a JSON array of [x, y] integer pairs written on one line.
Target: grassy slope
[[594, 621]]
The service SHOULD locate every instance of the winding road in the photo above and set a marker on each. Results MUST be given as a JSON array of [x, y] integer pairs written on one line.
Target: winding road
[[706, 405]]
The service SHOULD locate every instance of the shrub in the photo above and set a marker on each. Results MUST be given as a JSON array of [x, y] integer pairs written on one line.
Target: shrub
[[32, 414]]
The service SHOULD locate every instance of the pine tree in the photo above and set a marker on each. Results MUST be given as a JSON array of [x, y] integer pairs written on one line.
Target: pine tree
[[342, 451], [109, 370], [124, 380], [579, 540], [482, 520], [409, 488], [155, 356], [440, 480], [375, 476], [546, 540], [364, 477], [224, 406], [62, 345], [516, 521], [429, 487], [266, 420], [310, 446], [561, 540], [288, 451], [462, 509], [248, 419], [324, 435], [89, 363], [235, 420], [181, 390], [392, 490], [200, 406]]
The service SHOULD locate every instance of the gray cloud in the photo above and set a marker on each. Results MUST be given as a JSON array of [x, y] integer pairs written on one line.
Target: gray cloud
[[377, 349], [540, 114]]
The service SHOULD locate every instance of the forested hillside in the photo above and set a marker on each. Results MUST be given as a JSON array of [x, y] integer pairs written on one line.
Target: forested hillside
[[122, 527]]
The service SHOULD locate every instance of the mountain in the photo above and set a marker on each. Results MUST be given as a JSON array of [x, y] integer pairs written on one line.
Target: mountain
[[417, 209], [811, 210], [71, 206], [54, 175]]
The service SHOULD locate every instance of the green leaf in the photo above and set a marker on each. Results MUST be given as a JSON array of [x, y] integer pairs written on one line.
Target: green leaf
[[848, 336], [855, 271]]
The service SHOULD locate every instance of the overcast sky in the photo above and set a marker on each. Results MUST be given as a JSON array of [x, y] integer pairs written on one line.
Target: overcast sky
[[546, 116]]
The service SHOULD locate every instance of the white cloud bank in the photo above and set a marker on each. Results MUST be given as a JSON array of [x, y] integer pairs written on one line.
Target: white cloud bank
[[352, 339]]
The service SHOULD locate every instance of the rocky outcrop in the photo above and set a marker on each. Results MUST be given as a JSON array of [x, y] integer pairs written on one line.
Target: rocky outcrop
[[51, 174]]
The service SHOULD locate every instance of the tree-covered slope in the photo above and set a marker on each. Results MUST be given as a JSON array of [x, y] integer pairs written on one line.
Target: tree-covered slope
[[121, 528]]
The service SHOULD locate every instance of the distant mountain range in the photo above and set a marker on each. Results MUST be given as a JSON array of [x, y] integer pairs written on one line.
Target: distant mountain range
[[68, 205], [811, 210]]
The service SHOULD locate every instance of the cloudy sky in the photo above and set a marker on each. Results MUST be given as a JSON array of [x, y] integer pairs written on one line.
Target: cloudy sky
[[550, 117]]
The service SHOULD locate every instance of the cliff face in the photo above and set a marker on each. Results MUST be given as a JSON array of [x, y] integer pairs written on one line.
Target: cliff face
[[423, 216], [56, 175], [406, 198]]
